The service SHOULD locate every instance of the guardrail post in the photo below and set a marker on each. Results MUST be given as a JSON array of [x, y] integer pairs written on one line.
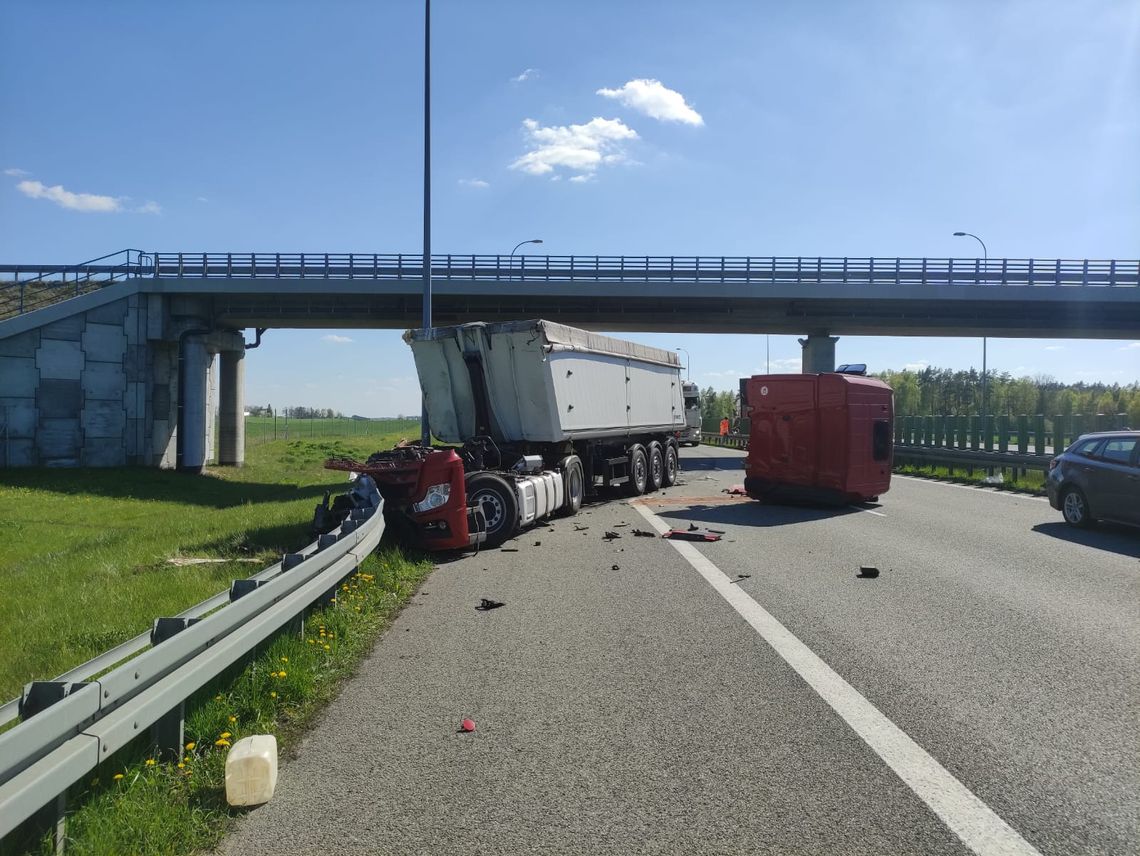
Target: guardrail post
[[987, 433], [975, 432], [1003, 433], [169, 733], [928, 430], [940, 431], [1023, 434]]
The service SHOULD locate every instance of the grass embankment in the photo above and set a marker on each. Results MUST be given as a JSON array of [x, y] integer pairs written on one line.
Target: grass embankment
[[113, 533]]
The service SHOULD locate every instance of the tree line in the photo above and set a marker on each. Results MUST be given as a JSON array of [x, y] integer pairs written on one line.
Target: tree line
[[949, 392], [294, 412]]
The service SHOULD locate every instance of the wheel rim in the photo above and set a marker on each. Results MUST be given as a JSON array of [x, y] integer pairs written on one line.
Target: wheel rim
[[657, 467], [575, 487], [1074, 507], [639, 473], [491, 504], [671, 466]]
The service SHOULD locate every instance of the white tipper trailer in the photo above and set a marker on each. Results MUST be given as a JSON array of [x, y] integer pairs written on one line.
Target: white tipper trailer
[[538, 415]]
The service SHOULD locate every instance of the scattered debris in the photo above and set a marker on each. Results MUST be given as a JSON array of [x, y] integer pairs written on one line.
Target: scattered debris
[[578, 528], [740, 577], [609, 536], [693, 527], [717, 531], [486, 604], [467, 726], [641, 533], [508, 549], [538, 543], [615, 568], [618, 525], [868, 572], [994, 479], [682, 535], [735, 490]]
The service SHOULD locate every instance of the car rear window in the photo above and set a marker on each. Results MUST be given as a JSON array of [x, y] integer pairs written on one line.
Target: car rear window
[[1119, 450]]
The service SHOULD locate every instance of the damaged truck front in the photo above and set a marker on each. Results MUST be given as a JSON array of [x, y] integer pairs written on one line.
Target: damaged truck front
[[531, 418]]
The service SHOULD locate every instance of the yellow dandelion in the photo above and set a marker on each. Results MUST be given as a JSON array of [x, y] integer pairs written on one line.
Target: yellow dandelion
[[312, 642], [280, 674], [190, 746], [187, 759], [273, 695], [284, 659], [150, 762], [217, 698], [226, 734], [181, 766], [221, 742], [327, 648], [117, 776]]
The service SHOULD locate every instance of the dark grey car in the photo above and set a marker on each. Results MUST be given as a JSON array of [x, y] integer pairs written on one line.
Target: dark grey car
[[1097, 478]]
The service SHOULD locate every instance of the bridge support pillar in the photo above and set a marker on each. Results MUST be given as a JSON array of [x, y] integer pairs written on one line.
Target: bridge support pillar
[[194, 361], [818, 353], [231, 406]]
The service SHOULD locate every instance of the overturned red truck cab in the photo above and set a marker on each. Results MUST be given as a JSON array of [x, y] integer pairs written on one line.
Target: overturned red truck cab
[[825, 438]]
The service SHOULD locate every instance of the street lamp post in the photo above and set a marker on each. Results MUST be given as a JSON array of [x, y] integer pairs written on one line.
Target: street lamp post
[[425, 429], [985, 380], [688, 364], [511, 264]]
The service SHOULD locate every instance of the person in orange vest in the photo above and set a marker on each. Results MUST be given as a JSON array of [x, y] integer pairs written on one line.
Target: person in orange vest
[[724, 427]]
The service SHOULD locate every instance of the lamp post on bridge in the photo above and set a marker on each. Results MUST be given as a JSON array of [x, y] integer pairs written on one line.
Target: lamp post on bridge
[[985, 381], [688, 364], [511, 264], [425, 429]]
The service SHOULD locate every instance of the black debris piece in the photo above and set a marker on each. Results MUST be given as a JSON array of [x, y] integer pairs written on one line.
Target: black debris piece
[[867, 572], [740, 577], [682, 535], [641, 533], [486, 604], [616, 525], [717, 531], [508, 549], [693, 527], [538, 543], [609, 536], [578, 528], [615, 568]]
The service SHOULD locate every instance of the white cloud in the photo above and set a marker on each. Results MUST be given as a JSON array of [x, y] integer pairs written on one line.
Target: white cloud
[[477, 183], [201, 198], [528, 74], [1131, 346], [150, 207], [1054, 347], [916, 367], [727, 373], [335, 339], [579, 148], [655, 100], [88, 202], [18, 173], [581, 179]]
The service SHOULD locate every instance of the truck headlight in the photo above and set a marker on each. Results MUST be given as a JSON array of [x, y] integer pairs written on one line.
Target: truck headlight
[[436, 496]]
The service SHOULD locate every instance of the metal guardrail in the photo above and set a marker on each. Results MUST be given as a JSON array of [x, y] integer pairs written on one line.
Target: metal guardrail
[[49, 751], [36, 286], [732, 441], [972, 458]]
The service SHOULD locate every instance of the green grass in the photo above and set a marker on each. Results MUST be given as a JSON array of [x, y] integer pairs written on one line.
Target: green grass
[[108, 576], [262, 429], [112, 532], [1033, 481]]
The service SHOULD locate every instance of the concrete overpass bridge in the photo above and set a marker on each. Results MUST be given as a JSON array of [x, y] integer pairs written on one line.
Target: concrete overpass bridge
[[106, 375]]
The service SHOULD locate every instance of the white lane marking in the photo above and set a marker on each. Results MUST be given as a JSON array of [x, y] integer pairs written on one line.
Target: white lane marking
[[974, 822], [868, 511], [1005, 493]]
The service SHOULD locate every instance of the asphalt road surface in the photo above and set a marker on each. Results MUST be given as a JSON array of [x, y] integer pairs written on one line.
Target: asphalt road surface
[[980, 696]]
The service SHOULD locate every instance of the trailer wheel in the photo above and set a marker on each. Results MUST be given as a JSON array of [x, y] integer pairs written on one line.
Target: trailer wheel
[[638, 471], [574, 482], [669, 477], [656, 466], [495, 499]]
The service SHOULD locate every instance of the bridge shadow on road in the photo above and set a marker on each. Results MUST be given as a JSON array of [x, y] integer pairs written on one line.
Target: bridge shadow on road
[[711, 462], [1113, 537], [751, 514]]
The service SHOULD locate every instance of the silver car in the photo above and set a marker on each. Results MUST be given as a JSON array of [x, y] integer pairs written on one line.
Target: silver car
[[1097, 478]]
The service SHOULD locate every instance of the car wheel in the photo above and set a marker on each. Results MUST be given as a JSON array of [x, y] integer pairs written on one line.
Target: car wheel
[[638, 471], [1075, 508], [656, 466], [670, 476], [574, 479]]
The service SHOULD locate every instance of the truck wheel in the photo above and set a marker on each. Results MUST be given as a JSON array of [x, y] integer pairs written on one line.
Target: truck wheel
[[669, 477], [656, 466], [574, 483], [497, 505], [638, 471]]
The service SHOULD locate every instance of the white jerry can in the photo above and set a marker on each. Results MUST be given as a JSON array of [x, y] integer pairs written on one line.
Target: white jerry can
[[251, 770]]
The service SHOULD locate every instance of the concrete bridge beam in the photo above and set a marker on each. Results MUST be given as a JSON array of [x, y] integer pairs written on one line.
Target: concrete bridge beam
[[818, 353]]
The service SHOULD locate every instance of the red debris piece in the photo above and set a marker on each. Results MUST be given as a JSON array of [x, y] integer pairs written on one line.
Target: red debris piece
[[467, 725], [735, 490]]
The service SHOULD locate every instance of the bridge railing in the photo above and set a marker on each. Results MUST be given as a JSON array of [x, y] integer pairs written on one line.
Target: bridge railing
[[36, 286], [636, 269]]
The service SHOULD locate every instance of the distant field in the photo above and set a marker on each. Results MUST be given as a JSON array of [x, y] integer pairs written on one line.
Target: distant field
[[261, 429], [85, 563]]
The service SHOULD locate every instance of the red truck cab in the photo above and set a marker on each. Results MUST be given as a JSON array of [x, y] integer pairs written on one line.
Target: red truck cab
[[818, 437]]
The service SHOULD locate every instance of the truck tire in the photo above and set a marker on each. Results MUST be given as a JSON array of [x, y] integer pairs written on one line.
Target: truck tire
[[638, 471], [656, 466], [671, 466], [574, 480], [496, 499]]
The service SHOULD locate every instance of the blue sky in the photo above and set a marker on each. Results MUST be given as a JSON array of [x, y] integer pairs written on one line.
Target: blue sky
[[870, 128]]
